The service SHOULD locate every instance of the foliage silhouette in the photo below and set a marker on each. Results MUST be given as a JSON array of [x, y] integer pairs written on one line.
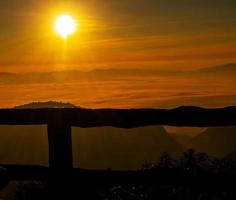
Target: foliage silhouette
[[212, 182]]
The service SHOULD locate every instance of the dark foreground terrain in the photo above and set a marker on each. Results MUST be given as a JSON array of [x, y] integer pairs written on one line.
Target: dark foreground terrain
[[192, 176]]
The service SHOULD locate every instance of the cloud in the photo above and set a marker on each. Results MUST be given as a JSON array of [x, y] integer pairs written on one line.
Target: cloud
[[137, 91], [124, 33]]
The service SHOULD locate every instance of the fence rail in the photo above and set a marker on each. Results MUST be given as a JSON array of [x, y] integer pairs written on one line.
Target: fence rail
[[60, 121], [122, 118]]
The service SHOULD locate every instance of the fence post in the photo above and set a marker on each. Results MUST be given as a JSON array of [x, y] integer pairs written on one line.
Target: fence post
[[60, 145]]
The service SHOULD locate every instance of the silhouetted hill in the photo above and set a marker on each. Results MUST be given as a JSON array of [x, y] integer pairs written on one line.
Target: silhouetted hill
[[47, 104], [216, 141]]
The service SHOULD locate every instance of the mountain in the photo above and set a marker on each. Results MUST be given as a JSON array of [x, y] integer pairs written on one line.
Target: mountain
[[216, 141], [47, 104], [121, 149], [99, 148], [76, 75], [219, 69], [182, 139], [108, 74]]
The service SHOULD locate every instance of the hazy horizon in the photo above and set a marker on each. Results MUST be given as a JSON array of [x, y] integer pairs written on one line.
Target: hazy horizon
[[210, 87]]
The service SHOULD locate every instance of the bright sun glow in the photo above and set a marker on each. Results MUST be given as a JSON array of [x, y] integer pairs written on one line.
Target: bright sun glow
[[65, 26]]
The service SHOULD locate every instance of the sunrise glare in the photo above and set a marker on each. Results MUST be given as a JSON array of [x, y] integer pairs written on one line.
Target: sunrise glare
[[65, 26]]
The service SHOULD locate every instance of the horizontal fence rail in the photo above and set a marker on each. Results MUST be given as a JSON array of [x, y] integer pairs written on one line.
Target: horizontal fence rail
[[59, 123], [122, 118]]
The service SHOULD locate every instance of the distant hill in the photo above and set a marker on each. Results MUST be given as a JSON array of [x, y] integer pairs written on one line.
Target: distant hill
[[47, 104], [76, 75], [216, 141], [219, 69], [108, 74], [120, 148], [183, 139]]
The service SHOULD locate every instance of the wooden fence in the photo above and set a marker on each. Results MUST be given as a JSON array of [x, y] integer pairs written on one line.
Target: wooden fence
[[60, 121]]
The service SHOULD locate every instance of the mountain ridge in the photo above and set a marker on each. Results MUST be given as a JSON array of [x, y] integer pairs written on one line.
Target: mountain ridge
[[70, 76], [223, 67], [46, 104], [216, 141]]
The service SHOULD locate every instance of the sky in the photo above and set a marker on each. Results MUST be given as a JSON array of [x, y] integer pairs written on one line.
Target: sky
[[177, 35], [157, 34]]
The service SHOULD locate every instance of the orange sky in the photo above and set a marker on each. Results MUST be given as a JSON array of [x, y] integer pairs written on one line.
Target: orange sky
[[125, 34]]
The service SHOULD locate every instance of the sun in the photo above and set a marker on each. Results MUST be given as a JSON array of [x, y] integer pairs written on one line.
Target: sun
[[65, 25]]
